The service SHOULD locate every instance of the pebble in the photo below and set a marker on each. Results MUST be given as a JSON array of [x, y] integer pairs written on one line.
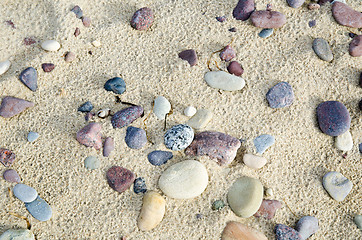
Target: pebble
[[254, 162], [24, 193], [190, 111], [295, 3], [200, 119], [86, 107], [76, 32], [217, 205], [158, 158], [284, 232], [312, 23], [227, 54], [29, 77], [90, 135], [221, 19], [32, 136], [126, 116], [268, 208], [178, 137], [17, 234], [116, 85], [152, 211], [263, 142], [333, 118], [307, 226], [344, 142], [10, 23], [360, 80], [10, 175], [7, 157], [96, 43], [120, 179], [108, 146], [322, 49], [29, 41], [11, 106], [337, 185], [69, 57], [238, 231], [281, 95], [218, 146], [139, 185], [190, 56], [92, 163], [39, 209], [50, 45], [235, 68], [47, 67], [142, 19], [268, 19], [243, 9], [77, 11], [135, 138], [224, 81], [184, 180], [269, 192], [86, 21], [360, 148], [161, 107], [4, 66], [358, 221], [266, 32], [245, 196], [103, 113], [346, 16], [314, 6], [355, 47]]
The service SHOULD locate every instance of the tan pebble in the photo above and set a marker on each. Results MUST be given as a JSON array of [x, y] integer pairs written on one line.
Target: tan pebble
[[152, 212], [269, 192], [238, 231], [69, 57], [313, 6], [96, 43]]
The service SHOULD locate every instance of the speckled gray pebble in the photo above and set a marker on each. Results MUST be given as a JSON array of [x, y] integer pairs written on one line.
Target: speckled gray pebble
[[32, 136], [263, 142], [266, 32], [322, 49], [307, 226], [280, 96], [135, 137], [11, 175], [179, 137], [39, 209], [158, 158], [24, 193], [92, 163]]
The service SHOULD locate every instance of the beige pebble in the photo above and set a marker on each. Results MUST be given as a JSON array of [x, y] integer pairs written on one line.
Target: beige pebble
[[237, 231], [50, 45], [269, 192], [200, 119], [344, 142], [4, 66], [69, 57], [96, 43], [254, 162], [152, 211]]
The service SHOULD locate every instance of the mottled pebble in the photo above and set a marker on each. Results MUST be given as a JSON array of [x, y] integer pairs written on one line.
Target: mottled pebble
[[116, 85], [135, 137], [32, 136], [307, 226], [314, 6], [17, 234], [142, 19], [227, 54], [29, 77], [190, 111], [346, 16], [161, 107], [11, 106], [333, 118], [266, 32], [358, 221], [39, 209], [312, 23], [7, 157], [344, 142], [69, 57], [77, 11], [238, 231], [295, 3], [200, 119], [243, 9], [235, 68], [90, 135], [190, 56], [86, 21], [178, 137], [217, 205], [120, 179], [263, 142], [4, 66], [337, 185], [48, 67], [268, 208], [24, 193], [281, 95], [268, 19], [126, 116], [139, 185], [29, 41], [92, 163], [76, 32], [221, 19], [10, 175], [284, 232], [355, 47], [50, 45], [224, 81], [108, 146], [158, 158], [86, 107], [152, 211], [254, 162]]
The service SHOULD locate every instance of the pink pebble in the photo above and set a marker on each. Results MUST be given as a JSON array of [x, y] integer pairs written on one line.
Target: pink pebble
[[90, 135], [268, 209], [11, 175], [227, 53], [108, 146]]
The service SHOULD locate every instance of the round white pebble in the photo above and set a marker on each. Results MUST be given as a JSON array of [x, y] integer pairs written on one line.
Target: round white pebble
[[161, 107], [50, 45], [4, 66], [344, 141], [190, 111], [96, 43]]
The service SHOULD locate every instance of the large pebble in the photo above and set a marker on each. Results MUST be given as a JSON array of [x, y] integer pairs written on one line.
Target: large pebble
[[108, 146], [152, 211], [24, 193], [344, 141], [178, 137], [142, 19], [116, 85], [243, 9], [283, 232], [200, 119], [346, 16], [11, 106], [307, 226], [238, 231], [227, 54], [337, 185], [358, 221], [86, 107], [158, 158], [120, 179], [322, 49], [126, 116], [29, 77], [161, 107], [135, 138], [224, 81], [218, 146], [295, 3], [333, 118], [268, 19], [50, 45], [245, 196], [39, 209], [254, 162], [190, 56], [17, 234], [263, 142], [92, 163], [190, 111], [32, 136], [235, 68], [7, 157], [11, 175], [355, 47], [184, 180], [4, 66], [139, 185], [268, 208], [266, 32], [90, 135], [281, 95]]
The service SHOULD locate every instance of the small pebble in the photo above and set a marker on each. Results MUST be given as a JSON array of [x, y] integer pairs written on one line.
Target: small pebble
[[200, 119], [224, 81], [135, 138], [307, 226], [29, 41], [69, 57], [269, 192], [108, 146], [86, 21], [227, 54], [32, 136], [337, 185], [254, 162], [178, 137], [77, 11], [10, 175], [152, 211], [89, 116], [238, 231], [189, 55], [268, 208], [333, 118], [358, 221], [221, 19], [243, 9], [266, 32], [312, 23], [346, 16], [355, 47], [142, 19], [360, 80], [11, 106], [280, 95], [90, 135], [284, 232], [161, 107], [24, 193], [7, 157], [314, 6], [39, 209], [217, 205], [263, 142], [76, 32], [199, 216], [126, 116], [103, 113], [295, 3], [139, 185], [158, 158], [120, 179], [322, 49], [4, 66], [116, 85], [92, 163], [17, 234], [86, 107], [268, 19], [344, 142], [29, 77], [190, 111], [50, 45], [233, 29], [235, 68], [96, 43], [47, 67]]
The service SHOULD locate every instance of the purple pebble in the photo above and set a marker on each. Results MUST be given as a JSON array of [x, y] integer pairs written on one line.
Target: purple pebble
[[108, 146], [189, 55], [284, 232], [221, 19], [227, 53], [281, 95], [29, 77], [235, 68], [244, 9], [126, 116], [11, 106], [90, 135], [11, 175], [135, 137], [142, 19]]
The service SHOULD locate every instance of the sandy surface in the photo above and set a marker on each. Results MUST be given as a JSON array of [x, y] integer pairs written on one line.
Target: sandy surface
[[84, 206]]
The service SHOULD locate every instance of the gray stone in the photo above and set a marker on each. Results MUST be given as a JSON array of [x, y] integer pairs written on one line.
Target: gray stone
[[307, 226], [39, 209], [24, 193], [92, 163], [322, 49], [337, 185], [280, 96]]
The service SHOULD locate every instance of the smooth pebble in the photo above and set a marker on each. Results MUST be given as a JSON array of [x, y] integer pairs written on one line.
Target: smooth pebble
[[96, 43], [158, 158], [4, 66], [254, 162], [24, 193], [116, 85], [178, 137], [126, 116], [7, 157], [139, 185], [32, 136], [346, 16], [243, 9], [39, 209], [108, 146], [224, 81], [50, 45], [268, 19], [295, 3], [190, 111], [355, 47], [227, 54], [29, 77], [161, 107], [135, 137], [17, 234], [152, 211], [333, 118], [238, 231], [235, 68], [307, 226], [48, 67], [269, 192], [86, 107], [358, 221], [200, 119], [268, 208], [266, 32], [92, 163], [337, 185], [142, 19], [190, 56], [281, 95], [120, 179], [76, 32], [263, 142], [322, 49], [10, 175], [344, 142], [90, 135], [284, 232], [11, 106]]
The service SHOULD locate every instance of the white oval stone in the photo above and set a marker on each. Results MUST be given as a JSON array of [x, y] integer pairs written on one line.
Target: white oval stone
[[200, 119], [344, 141], [190, 111], [17, 234], [183, 180], [161, 107], [96, 43], [152, 211], [24, 193], [50, 45], [4, 66], [254, 162], [224, 81]]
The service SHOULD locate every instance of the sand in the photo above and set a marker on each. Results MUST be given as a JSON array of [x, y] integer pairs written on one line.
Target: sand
[[84, 206]]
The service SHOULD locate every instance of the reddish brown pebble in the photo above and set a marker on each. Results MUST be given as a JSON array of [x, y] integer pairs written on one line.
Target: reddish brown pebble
[[126, 116], [189, 55], [29, 41], [120, 179], [227, 53], [47, 67], [346, 16], [10, 23], [90, 135], [355, 47], [86, 21], [218, 146], [313, 6], [268, 208], [7, 157], [238, 231], [268, 19], [11, 175], [69, 57], [108, 146], [235, 68], [243, 9], [10, 106], [76, 32], [142, 19]]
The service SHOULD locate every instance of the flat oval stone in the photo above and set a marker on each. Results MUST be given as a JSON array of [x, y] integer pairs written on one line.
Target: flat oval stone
[[235, 68], [266, 32], [218, 146], [200, 119], [227, 54], [11, 106], [190, 56], [108, 146], [295, 3], [48, 67], [86, 107], [322, 49], [190, 111], [32, 136], [245, 196], [179, 137], [142, 19], [254, 162], [237, 231], [263, 142], [11, 175], [17, 234], [268, 208], [243, 9], [116, 85], [7, 157], [268, 19], [333, 118], [92, 163], [135, 138], [184, 180], [344, 142], [224, 81], [358, 221], [346, 16], [158, 158], [90, 135], [152, 211], [24, 193], [126, 116], [307, 226], [39, 209], [139, 185], [284, 232], [281, 95], [355, 47], [29, 77], [50, 45], [161, 107], [120, 179], [4, 66], [337, 185]]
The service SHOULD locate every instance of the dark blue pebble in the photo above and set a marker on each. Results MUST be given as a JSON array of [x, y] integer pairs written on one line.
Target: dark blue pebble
[[116, 85], [158, 158], [281, 95], [29, 77], [139, 185], [312, 23], [86, 107], [135, 137], [221, 19]]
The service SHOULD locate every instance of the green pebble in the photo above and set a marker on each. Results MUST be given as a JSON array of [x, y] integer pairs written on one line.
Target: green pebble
[[92, 163], [217, 205]]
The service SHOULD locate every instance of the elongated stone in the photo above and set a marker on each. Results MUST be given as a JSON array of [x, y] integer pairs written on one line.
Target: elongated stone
[[268, 19], [346, 16], [4, 66], [200, 119], [39, 209], [108, 146], [322, 49], [224, 81], [126, 116], [243, 9], [152, 211], [237, 231], [11, 106]]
